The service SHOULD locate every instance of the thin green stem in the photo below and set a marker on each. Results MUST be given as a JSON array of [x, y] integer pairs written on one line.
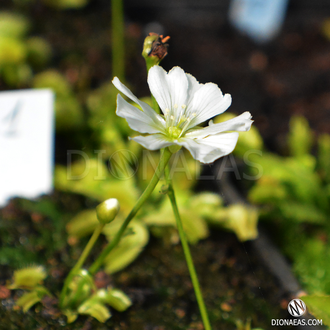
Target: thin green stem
[[88, 247], [118, 48], [186, 250], [81, 259], [165, 157]]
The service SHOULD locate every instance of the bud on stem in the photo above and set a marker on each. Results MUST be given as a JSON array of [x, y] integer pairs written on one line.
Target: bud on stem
[[154, 49], [107, 210]]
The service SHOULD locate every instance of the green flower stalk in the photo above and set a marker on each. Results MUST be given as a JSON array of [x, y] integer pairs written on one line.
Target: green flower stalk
[[187, 254], [184, 105], [166, 155], [118, 45]]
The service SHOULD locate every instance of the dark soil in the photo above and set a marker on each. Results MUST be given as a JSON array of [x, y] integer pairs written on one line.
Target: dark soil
[[235, 284]]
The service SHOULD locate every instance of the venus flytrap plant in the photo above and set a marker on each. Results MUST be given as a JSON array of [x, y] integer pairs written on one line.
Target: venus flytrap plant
[[76, 282], [79, 294], [30, 279], [184, 104]]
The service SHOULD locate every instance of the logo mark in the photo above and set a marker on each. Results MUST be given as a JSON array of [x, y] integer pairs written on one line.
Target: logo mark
[[296, 307]]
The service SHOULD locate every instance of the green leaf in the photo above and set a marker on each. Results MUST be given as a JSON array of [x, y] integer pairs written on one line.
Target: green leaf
[[95, 308], [43, 206], [12, 52], [311, 264], [130, 246], [71, 315], [16, 256], [68, 111], [301, 212], [90, 177], [39, 52], [206, 204], [13, 25], [27, 300], [66, 4], [239, 218], [118, 300], [297, 176], [240, 325], [185, 170], [28, 278], [194, 226], [80, 288], [82, 224], [324, 156], [300, 137], [267, 190], [319, 306]]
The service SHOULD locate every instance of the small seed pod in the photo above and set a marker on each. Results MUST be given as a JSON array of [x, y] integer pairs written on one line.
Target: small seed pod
[[107, 210], [154, 49]]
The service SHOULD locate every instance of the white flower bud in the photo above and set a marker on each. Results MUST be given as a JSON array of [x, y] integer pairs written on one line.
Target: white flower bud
[[107, 210]]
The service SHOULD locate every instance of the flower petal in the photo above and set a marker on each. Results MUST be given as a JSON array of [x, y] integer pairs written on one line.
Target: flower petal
[[152, 142], [169, 89], [193, 87], [158, 87], [136, 119], [240, 123], [206, 103], [178, 84], [144, 106], [210, 148]]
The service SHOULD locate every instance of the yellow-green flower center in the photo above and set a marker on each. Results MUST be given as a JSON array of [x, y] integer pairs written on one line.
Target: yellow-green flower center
[[174, 132], [177, 121]]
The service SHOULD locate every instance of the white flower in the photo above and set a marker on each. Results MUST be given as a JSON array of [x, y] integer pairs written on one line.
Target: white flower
[[185, 103]]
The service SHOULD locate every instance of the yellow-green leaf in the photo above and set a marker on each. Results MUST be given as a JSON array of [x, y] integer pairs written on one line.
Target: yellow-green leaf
[[28, 278], [129, 247], [319, 306]]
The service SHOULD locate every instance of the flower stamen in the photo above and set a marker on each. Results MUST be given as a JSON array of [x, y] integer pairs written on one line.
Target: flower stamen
[[186, 123]]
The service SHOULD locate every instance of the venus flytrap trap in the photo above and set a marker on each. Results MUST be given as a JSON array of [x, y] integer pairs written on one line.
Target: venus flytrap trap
[[79, 284], [30, 279]]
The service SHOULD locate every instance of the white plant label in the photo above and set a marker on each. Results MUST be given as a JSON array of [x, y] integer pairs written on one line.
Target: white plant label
[[260, 19], [26, 143]]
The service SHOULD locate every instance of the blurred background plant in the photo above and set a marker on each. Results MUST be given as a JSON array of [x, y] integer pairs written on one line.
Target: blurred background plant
[[293, 195], [20, 55]]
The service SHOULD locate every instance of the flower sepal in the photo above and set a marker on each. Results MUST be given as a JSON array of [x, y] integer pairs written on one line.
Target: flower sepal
[[174, 148]]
